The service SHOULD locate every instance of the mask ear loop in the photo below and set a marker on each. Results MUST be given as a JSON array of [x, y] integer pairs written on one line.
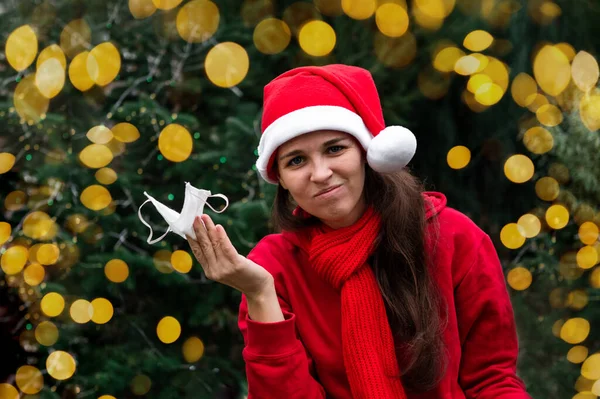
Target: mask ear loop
[[220, 196], [150, 241], [215, 195]]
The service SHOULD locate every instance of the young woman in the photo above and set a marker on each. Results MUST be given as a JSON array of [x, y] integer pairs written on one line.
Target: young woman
[[374, 288]]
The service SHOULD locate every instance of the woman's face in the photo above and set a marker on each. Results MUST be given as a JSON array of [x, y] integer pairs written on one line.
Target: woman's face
[[322, 160]]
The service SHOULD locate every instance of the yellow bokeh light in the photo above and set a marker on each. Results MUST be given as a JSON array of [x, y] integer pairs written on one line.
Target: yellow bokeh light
[[595, 278], [140, 385], [588, 233], [577, 354], [478, 40], [437, 9], [5, 231], [60, 365], [197, 21], [75, 37], [14, 259], [331, 8], [549, 115], [519, 168], [476, 81], [552, 70], [547, 188], [426, 21], [81, 311], [519, 278], [467, 65], [538, 101], [21, 47], [99, 134], [52, 304], [52, 51], [591, 367], [181, 261], [523, 89], [589, 111], [577, 299], [168, 329], [162, 261], [8, 391], [227, 64], [271, 36], [488, 94], [78, 73], [498, 71], [50, 78], [446, 58], [7, 161], [557, 216], [15, 201], [511, 236], [567, 50], [530, 225], [317, 38], [538, 140], [392, 20], [96, 156], [125, 132], [106, 176], [46, 333], [77, 222], [175, 143], [116, 270], [29, 379], [166, 4], [141, 9], [587, 257], [359, 9], [458, 157], [193, 349], [102, 310], [575, 330], [48, 254], [29, 103], [39, 226], [585, 71], [103, 63], [95, 197], [483, 61], [397, 52], [108, 396]]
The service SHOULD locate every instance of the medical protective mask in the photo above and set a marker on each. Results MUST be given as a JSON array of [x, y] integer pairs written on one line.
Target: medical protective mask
[[182, 223]]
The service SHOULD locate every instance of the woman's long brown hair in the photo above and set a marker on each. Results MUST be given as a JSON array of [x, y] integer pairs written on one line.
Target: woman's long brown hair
[[401, 263]]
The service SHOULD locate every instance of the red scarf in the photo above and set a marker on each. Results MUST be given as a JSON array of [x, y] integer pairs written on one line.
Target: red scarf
[[340, 258]]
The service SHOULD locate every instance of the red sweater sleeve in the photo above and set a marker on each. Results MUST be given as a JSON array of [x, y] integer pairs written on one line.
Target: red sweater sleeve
[[487, 330], [277, 363]]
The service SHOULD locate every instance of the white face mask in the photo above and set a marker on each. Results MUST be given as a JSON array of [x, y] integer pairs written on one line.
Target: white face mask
[[182, 223]]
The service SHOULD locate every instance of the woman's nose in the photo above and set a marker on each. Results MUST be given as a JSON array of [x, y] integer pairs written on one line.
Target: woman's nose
[[321, 171]]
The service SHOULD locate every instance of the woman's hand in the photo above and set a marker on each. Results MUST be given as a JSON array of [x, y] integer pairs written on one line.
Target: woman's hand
[[222, 263]]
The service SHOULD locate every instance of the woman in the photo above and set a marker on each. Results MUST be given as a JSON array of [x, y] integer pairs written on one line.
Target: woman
[[374, 288]]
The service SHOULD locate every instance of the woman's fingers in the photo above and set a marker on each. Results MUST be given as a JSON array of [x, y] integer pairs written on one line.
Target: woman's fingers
[[197, 251], [227, 247], [204, 242]]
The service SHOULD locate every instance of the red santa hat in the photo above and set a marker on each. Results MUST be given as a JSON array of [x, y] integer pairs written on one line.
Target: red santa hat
[[332, 97]]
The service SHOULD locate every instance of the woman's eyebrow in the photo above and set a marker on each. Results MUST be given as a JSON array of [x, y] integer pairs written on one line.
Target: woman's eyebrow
[[325, 144]]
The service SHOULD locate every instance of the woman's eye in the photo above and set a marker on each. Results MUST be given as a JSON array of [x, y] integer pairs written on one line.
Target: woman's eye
[[292, 163], [337, 146]]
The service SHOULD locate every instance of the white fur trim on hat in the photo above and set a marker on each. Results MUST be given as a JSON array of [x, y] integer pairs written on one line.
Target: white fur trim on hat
[[392, 149], [306, 120]]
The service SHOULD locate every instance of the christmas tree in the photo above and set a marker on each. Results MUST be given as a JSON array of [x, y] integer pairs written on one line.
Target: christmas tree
[[103, 101]]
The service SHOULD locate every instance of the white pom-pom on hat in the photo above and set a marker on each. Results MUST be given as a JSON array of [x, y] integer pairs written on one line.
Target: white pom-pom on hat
[[392, 149]]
